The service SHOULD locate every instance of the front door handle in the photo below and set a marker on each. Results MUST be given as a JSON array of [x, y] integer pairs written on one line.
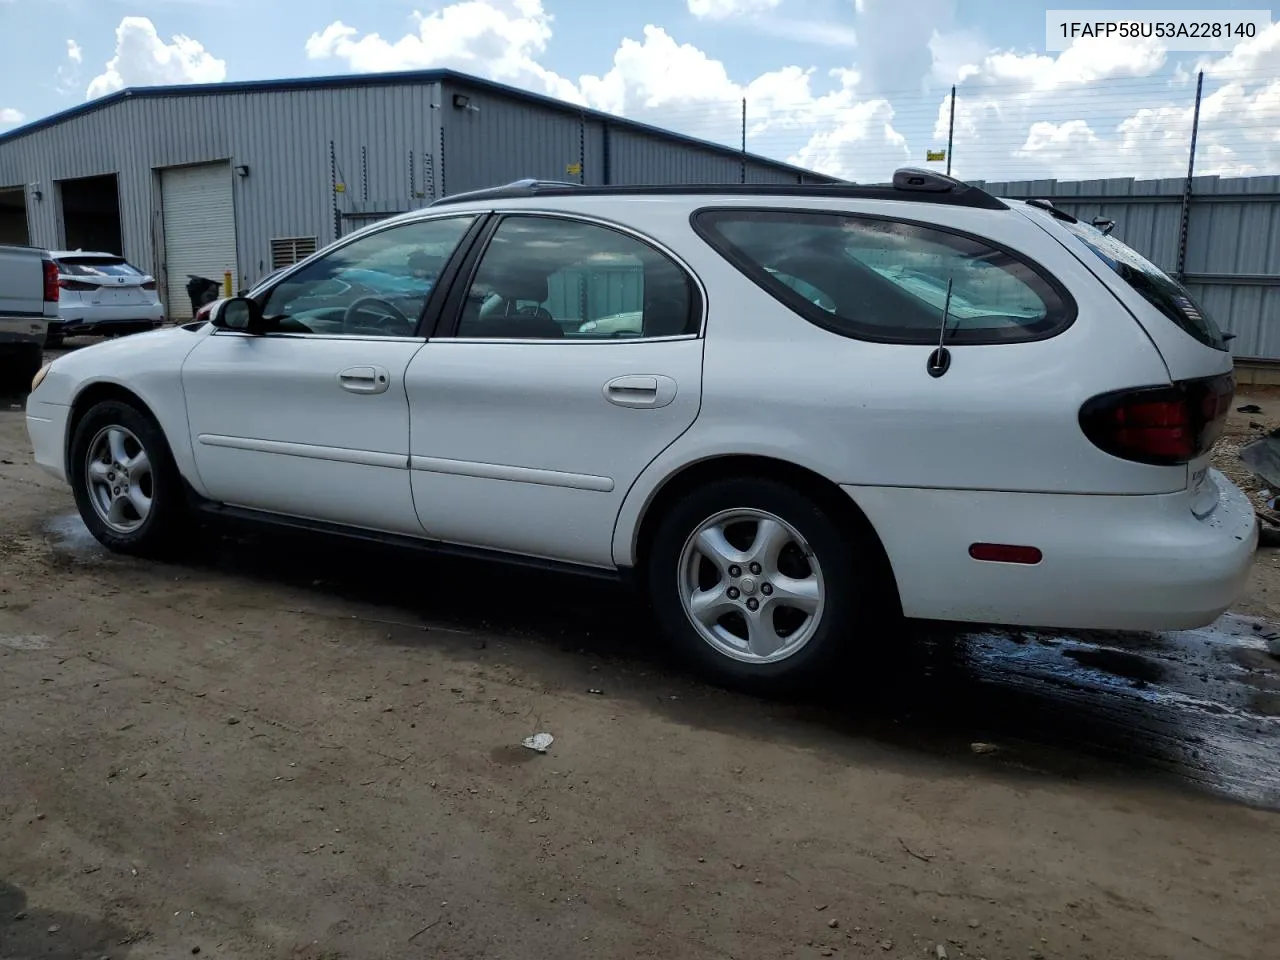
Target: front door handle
[[364, 379], [650, 390]]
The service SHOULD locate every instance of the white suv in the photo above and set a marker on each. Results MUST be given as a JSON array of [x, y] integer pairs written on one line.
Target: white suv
[[811, 407]]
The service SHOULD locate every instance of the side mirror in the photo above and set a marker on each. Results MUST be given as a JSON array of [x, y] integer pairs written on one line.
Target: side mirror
[[238, 313]]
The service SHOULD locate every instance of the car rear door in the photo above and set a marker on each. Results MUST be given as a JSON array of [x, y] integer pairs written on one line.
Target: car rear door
[[569, 357]]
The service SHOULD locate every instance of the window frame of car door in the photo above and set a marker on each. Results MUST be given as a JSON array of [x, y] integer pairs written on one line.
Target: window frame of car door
[[701, 220], [450, 316], [432, 306]]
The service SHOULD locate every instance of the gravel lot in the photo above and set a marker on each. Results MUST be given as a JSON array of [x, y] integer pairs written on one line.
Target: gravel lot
[[299, 749]]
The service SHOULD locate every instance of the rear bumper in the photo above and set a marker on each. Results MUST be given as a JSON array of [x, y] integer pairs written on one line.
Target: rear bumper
[[1109, 562], [18, 333], [125, 318], [47, 429]]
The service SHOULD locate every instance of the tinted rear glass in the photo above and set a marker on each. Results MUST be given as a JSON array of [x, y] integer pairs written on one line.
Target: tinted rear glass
[[97, 267], [1151, 283], [875, 278]]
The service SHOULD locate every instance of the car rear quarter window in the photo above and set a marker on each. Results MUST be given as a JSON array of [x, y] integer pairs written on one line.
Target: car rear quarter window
[[886, 280], [1151, 283], [97, 267]]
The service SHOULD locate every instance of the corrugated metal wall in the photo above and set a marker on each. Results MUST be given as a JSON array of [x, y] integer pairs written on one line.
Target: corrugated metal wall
[[1233, 241], [281, 136], [497, 140], [387, 144]]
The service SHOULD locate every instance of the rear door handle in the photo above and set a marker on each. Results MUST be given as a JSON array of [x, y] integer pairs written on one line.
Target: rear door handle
[[650, 390], [365, 379]]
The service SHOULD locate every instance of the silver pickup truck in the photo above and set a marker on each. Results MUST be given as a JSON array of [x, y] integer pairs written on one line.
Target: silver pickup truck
[[28, 302]]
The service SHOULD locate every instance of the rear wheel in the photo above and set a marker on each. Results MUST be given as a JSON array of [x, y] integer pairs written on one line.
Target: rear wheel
[[758, 584], [125, 482]]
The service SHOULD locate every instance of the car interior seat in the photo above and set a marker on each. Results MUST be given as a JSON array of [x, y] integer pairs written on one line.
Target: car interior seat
[[504, 319]]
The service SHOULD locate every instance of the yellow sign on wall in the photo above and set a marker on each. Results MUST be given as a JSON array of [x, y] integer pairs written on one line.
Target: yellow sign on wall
[[935, 154], [574, 168]]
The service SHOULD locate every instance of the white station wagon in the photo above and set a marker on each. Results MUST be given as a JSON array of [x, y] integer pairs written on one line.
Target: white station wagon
[[787, 411]]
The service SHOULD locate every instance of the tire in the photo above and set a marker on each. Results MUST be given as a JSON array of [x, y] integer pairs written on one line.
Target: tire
[[52, 340], [816, 604], [156, 531]]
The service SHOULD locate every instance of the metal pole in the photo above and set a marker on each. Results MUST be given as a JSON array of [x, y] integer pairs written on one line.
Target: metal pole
[[607, 160], [333, 190], [743, 172], [951, 128], [1186, 189], [440, 165]]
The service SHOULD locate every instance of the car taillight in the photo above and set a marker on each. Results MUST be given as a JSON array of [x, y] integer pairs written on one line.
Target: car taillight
[[50, 282], [66, 284], [148, 285], [1162, 426], [203, 312]]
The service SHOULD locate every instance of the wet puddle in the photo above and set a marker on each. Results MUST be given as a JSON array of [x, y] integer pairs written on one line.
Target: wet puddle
[[71, 537]]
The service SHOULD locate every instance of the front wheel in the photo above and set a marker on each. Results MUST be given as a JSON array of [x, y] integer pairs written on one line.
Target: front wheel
[[758, 584], [126, 485]]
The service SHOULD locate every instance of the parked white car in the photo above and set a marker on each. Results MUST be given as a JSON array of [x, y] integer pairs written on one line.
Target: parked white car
[[103, 295], [794, 442]]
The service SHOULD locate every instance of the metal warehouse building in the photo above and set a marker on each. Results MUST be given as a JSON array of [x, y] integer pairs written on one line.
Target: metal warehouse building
[[249, 177]]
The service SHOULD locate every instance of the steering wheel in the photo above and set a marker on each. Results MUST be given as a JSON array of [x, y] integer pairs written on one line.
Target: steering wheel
[[349, 323]]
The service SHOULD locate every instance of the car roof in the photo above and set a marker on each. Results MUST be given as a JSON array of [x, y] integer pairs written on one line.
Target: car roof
[[909, 184], [64, 254]]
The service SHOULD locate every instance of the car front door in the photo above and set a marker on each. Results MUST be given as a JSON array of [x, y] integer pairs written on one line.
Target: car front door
[[310, 419], [568, 357]]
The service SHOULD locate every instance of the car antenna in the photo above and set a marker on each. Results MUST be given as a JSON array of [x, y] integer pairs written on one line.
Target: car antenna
[[940, 359]]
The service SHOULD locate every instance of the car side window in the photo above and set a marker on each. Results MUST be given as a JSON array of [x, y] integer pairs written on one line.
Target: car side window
[[887, 280], [374, 286], [549, 278]]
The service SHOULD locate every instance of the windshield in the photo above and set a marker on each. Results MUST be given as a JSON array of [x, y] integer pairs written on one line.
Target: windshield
[[96, 267], [1154, 285]]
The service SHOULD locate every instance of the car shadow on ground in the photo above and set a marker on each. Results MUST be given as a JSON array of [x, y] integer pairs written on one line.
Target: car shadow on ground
[[30, 933], [1199, 708]]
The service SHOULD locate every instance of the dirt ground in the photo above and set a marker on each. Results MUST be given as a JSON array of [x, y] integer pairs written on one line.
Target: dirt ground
[[298, 749]]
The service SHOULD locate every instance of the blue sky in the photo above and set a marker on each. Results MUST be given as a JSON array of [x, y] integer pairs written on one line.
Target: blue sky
[[852, 87]]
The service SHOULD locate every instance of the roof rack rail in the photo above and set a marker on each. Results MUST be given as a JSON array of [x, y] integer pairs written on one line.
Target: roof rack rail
[[528, 187], [1041, 203], [909, 183]]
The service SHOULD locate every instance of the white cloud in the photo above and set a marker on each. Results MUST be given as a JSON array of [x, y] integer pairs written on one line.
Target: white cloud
[[500, 39], [74, 53], [143, 59], [11, 115], [724, 9], [1247, 59]]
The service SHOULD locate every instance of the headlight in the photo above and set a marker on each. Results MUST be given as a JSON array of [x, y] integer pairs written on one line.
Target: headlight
[[40, 375]]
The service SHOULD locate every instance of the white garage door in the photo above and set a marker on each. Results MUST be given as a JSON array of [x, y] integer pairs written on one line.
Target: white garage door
[[199, 229]]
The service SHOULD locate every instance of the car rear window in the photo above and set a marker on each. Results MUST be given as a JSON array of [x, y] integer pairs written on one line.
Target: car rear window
[[97, 267], [886, 280], [1151, 283]]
